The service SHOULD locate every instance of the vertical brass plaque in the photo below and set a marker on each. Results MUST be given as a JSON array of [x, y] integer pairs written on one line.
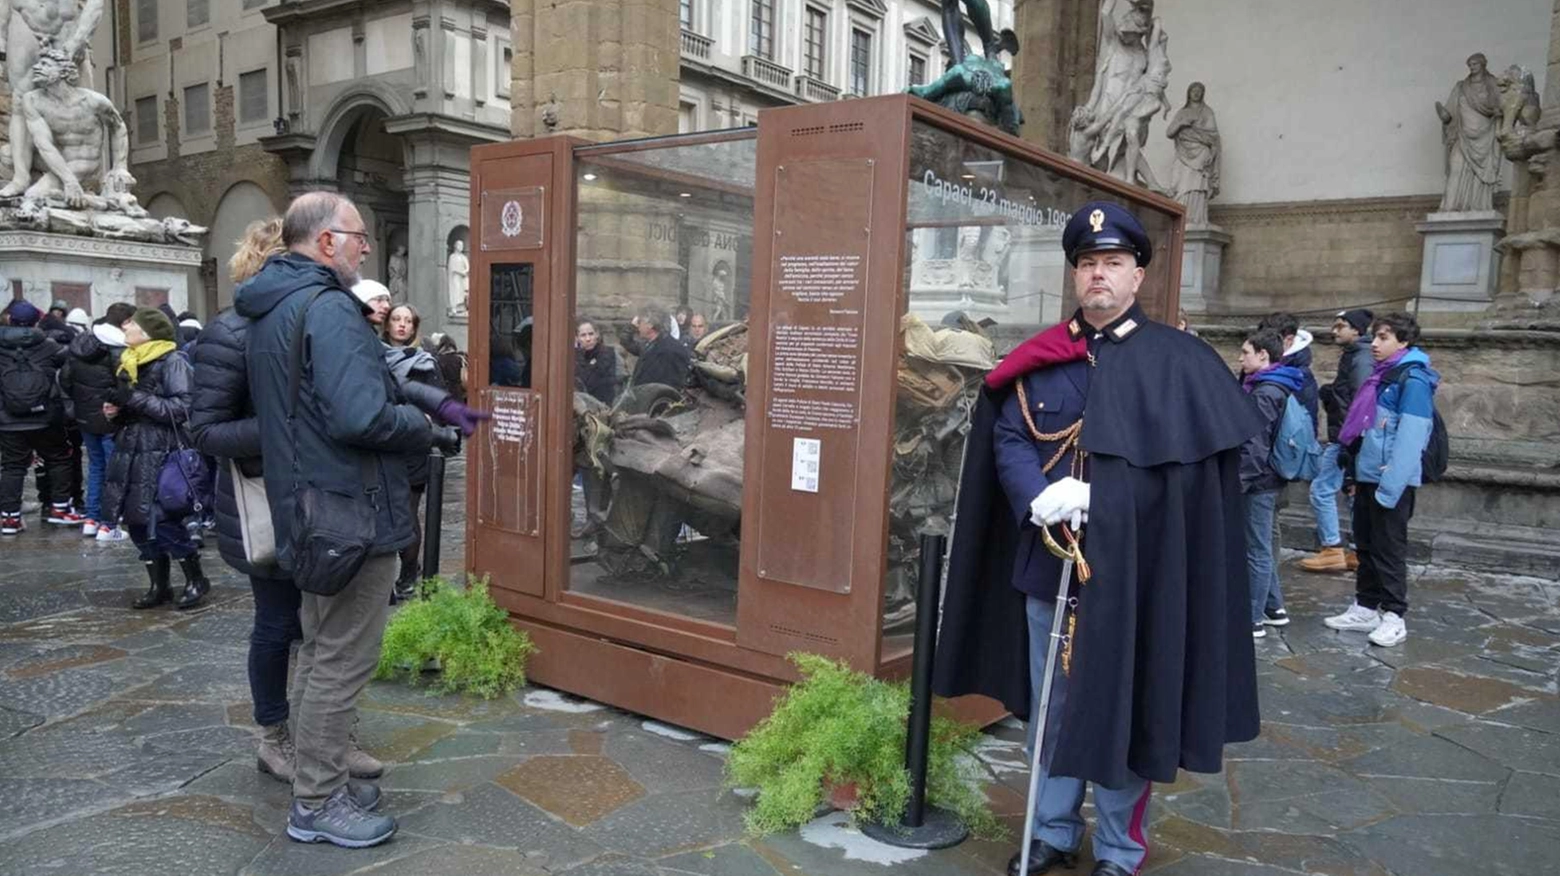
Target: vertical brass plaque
[[509, 496]]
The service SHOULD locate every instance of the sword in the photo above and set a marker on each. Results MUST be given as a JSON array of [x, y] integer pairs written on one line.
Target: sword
[[1070, 557]]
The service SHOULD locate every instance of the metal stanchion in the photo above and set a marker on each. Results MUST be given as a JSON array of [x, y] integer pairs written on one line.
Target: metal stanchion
[[923, 827], [433, 515]]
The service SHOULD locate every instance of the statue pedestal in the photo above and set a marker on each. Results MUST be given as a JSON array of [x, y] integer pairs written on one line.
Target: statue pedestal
[[112, 270], [1460, 268], [1201, 260]]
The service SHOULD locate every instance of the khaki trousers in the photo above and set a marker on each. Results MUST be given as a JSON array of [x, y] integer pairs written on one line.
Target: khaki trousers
[[341, 639]]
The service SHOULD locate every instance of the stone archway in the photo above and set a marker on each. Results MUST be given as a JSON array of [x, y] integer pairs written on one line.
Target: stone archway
[[241, 204], [360, 159]]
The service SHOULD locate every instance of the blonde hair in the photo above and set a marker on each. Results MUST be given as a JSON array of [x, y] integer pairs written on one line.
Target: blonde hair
[[261, 240]]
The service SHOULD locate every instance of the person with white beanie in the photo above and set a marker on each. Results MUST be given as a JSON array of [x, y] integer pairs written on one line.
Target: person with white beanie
[[375, 295]]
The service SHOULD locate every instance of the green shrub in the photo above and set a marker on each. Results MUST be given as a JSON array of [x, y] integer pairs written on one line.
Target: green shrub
[[839, 727], [478, 651]]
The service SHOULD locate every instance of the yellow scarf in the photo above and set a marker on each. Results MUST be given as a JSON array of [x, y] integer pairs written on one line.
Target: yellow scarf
[[131, 360]]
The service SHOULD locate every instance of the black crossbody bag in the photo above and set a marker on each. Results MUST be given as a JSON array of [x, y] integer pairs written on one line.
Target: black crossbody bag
[[332, 532]]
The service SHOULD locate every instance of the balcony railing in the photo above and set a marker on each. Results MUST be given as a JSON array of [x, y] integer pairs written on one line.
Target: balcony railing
[[808, 88], [695, 46], [767, 72]]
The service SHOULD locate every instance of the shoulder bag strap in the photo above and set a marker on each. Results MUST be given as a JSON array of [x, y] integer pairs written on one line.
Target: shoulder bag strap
[[366, 470]]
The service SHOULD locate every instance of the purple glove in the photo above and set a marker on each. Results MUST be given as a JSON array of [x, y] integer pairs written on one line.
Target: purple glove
[[453, 413]]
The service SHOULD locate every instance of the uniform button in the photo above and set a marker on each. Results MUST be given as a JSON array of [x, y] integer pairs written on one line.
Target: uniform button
[[1039, 406]]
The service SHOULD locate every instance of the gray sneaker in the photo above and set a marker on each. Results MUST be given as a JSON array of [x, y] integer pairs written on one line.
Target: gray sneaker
[[341, 821], [365, 794]]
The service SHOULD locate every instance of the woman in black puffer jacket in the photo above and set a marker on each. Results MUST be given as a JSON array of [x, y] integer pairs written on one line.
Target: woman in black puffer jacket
[[150, 406], [87, 378]]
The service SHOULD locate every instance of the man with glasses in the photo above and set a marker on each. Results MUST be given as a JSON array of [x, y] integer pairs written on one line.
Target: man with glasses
[[347, 435]]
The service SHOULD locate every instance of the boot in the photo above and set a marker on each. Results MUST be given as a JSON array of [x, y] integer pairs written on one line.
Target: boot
[[361, 764], [1331, 559], [195, 583], [158, 571], [275, 757], [1353, 560]]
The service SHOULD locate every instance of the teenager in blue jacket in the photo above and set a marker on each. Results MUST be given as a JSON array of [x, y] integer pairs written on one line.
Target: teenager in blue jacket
[[1388, 427]]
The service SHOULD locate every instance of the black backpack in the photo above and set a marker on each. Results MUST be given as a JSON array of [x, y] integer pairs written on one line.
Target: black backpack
[[25, 387], [1438, 450]]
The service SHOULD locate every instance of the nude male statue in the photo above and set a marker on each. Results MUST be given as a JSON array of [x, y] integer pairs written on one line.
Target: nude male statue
[[27, 27], [66, 124]]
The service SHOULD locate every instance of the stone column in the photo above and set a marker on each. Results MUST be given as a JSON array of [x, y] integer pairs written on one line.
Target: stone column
[[1054, 69], [598, 69]]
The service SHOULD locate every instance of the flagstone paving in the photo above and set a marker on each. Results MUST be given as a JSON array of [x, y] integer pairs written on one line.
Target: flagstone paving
[[126, 747]]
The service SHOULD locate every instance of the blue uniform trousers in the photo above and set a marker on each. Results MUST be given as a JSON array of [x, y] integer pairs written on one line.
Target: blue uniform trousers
[[1120, 834]]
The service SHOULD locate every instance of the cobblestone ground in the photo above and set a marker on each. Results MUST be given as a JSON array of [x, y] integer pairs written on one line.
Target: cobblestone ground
[[126, 747]]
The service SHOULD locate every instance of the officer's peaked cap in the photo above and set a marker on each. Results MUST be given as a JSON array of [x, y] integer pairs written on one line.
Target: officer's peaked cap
[[1102, 225]]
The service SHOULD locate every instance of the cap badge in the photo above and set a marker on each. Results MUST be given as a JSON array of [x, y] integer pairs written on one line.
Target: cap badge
[[1097, 221]]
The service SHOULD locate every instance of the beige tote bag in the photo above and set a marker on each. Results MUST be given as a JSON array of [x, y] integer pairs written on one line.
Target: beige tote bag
[[254, 518]]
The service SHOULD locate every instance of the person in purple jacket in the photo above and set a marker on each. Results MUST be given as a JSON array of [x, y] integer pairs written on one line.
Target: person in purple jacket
[[1387, 429]]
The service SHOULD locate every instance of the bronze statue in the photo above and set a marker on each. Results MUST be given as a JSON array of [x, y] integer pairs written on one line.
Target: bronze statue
[[975, 84]]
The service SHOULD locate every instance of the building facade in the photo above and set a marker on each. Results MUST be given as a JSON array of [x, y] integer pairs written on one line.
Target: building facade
[[234, 106]]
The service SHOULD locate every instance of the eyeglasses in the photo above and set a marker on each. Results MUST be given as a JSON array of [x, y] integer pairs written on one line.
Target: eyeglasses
[[363, 235]]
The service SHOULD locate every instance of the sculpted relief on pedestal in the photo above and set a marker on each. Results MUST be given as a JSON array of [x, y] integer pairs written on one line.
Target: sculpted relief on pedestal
[[69, 147]]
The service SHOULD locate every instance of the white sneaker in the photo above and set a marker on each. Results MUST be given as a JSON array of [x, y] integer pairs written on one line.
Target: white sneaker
[[114, 533], [1357, 618], [1390, 632], [89, 529]]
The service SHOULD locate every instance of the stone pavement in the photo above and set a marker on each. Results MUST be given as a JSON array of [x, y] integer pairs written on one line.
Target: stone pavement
[[126, 747]]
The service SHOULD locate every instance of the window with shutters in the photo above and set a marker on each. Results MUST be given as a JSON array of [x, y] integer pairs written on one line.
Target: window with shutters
[[254, 104], [814, 39], [860, 61], [146, 121], [197, 13], [146, 20], [197, 110], [761, 30]]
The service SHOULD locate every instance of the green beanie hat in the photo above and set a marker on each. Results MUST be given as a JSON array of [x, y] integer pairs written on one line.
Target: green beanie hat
[[155, 323]]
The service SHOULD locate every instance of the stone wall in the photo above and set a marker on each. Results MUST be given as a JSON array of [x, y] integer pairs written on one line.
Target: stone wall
[[1319, 256]]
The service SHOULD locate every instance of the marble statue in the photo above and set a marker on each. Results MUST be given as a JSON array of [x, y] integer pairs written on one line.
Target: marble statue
[[294, 85], [459, 271], [397, 271], [1127, 33], [1468, 126], [1519, 104], [27, 27], [1194, 177], [975, 84], [66, 125], [1124, 129]]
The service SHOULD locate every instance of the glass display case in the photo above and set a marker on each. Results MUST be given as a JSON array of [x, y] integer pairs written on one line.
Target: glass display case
[[731, 374]]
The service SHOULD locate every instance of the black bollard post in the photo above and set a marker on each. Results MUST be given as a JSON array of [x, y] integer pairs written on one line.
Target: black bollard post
[[433, 515], [923, 827]]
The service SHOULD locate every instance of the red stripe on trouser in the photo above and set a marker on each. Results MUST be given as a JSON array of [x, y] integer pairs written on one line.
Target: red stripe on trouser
[[1135, 826]]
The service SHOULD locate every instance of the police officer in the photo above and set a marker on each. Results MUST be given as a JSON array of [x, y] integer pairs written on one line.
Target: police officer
[[1119, 435]]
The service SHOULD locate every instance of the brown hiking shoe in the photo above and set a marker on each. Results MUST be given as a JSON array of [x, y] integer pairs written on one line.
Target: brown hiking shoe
[[361, 764], [275, 757], [1353, 560], [1329, 560]]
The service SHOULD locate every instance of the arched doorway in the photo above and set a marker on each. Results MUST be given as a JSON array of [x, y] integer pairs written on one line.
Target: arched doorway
[[242, 204], [369, 170]]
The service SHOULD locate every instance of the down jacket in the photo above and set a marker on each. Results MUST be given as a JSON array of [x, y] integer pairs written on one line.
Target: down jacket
[[89, 375], [159, 405], [223, 425]]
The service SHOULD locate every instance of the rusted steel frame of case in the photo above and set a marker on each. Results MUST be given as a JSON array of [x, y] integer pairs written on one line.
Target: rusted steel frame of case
[[993, 139]]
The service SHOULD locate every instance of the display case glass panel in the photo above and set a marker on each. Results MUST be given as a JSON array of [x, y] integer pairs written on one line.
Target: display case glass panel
[[663, 248]]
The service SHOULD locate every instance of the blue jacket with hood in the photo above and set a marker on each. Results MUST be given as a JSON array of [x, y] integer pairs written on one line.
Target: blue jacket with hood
[[347, 403], [1271, 392], [1389, 451]]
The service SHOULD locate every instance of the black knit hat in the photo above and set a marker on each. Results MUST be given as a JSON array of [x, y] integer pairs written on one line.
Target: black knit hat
[[118, 313], [155, 323], [1358, 319]]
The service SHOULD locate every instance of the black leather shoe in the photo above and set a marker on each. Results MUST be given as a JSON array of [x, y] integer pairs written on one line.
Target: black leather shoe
[[1106, 868], [1042, 857]]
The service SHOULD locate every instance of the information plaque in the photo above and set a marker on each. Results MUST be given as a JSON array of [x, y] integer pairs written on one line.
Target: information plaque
[[509, 495]]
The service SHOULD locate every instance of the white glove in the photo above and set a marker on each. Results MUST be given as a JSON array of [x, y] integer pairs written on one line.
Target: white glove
[[1067, 499]]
